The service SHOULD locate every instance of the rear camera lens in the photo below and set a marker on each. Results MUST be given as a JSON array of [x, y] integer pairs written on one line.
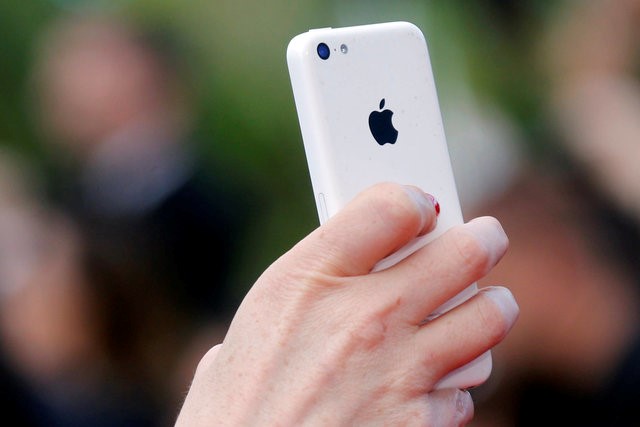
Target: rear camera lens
[[323, 51]]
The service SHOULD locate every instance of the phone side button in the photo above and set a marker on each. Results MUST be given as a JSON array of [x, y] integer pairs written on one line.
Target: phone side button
[[322, 209]]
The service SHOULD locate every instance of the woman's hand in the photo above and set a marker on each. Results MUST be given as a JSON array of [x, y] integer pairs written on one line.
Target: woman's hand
[[319, 340]]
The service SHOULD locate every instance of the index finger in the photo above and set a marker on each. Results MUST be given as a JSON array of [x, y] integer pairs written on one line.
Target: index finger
[[377, 222]]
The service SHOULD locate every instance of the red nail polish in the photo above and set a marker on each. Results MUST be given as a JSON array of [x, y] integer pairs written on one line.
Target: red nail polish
[[436, 205]]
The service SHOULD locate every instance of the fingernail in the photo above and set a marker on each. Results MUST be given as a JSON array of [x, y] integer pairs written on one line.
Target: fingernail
[[490, 234], [418, 196], [424, 201], [435, 203], [464, 402], [503, 298]]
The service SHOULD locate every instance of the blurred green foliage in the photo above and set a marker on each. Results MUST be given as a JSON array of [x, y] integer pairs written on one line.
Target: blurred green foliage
[[20, 23], [246, 126]]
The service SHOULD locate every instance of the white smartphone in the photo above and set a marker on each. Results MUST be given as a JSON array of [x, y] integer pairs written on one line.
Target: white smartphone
[[368, 113]]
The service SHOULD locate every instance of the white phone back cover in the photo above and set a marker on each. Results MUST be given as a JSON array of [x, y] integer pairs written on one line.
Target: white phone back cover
[[334, 98]]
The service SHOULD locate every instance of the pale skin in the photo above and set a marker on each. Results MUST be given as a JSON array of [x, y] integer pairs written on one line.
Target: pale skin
[[319, 340]]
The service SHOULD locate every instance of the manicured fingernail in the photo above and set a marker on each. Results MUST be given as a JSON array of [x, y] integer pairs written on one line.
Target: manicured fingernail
[[418, 196], [424, 201], [490, 234], [435, 202], [505, 301]]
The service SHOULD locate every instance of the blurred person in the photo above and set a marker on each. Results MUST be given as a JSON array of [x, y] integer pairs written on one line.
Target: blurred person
[[574, 355], [595, 99], [113, 98], [574, 228], [54, 355], [162, 230], [594, 64]]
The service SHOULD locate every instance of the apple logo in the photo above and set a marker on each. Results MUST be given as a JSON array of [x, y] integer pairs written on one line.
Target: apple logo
[[381, 127]]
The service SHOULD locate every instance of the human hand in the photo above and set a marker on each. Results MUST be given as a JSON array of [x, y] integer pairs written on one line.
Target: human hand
[[319, 340]]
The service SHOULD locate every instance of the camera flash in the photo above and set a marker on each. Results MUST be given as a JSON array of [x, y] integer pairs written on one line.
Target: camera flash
[[344, 48]]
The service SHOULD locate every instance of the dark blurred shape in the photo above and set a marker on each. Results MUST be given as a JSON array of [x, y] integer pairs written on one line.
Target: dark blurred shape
[[53, 362], [113, 98], [594, 69], [592, 61], [573, 356], [573, 220], [159, 229]]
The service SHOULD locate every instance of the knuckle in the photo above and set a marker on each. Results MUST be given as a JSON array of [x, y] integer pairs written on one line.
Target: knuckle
[[207, 361], [372, 327], [473, 255], [368, 332], [394, 208]]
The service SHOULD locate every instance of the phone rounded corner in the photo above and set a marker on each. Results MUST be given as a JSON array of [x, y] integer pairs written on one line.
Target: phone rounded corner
[[295, 46], [412, 28], [421, 37]]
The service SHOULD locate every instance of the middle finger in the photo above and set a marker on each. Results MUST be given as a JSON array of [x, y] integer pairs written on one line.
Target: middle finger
[[436, 273]]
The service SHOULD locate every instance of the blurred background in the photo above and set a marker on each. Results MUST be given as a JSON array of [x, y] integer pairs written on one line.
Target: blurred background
[[151, 167]]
